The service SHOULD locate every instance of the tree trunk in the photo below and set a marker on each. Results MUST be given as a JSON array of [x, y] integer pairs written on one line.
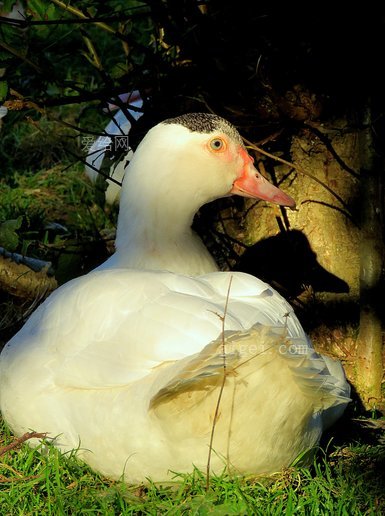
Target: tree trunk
[[318, 257], [369, 371]]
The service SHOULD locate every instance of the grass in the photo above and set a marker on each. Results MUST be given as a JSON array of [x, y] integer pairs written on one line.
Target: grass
[[350, 481], [56, 195]]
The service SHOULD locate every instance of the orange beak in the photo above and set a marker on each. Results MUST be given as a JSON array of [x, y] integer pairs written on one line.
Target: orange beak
[[252, 184]]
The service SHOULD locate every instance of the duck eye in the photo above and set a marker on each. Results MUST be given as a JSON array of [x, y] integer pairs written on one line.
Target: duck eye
[[217, 144]]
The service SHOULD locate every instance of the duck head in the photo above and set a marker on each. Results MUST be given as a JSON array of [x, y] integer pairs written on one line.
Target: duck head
[[200, 157]]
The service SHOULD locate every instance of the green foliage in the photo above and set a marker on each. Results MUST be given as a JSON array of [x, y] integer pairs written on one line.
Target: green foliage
[[53, 215], [7, 5], [48, 59], [43, 481], [8, 234], [42, 10], [3, 90], [36, 142]]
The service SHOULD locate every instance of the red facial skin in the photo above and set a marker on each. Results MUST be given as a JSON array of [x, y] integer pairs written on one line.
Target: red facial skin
[[250, 183]]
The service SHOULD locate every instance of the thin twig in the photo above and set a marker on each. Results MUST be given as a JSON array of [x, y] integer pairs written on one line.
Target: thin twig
[[298, 169], [16, 53], [20, 440], [81, 15], [336, 208], [216, 413], [78, 12], [28, 22], [4, 479], [100, 172], [328, 144]]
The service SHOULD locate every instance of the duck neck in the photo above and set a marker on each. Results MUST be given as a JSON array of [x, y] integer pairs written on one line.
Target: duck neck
[[154, 232]]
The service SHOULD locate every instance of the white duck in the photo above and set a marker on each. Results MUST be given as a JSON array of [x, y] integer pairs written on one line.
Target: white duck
[[120, 126], [125, 364]]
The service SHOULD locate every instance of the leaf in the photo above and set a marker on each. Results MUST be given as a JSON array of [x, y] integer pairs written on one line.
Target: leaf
[[39, 9], [3, 90], [7, 6], [9, 239]]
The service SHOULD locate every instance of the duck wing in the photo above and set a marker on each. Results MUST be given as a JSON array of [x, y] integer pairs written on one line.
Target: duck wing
[[113, 327]]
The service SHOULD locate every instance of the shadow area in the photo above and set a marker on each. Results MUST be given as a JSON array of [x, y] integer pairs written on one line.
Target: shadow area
[[287, 262]]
